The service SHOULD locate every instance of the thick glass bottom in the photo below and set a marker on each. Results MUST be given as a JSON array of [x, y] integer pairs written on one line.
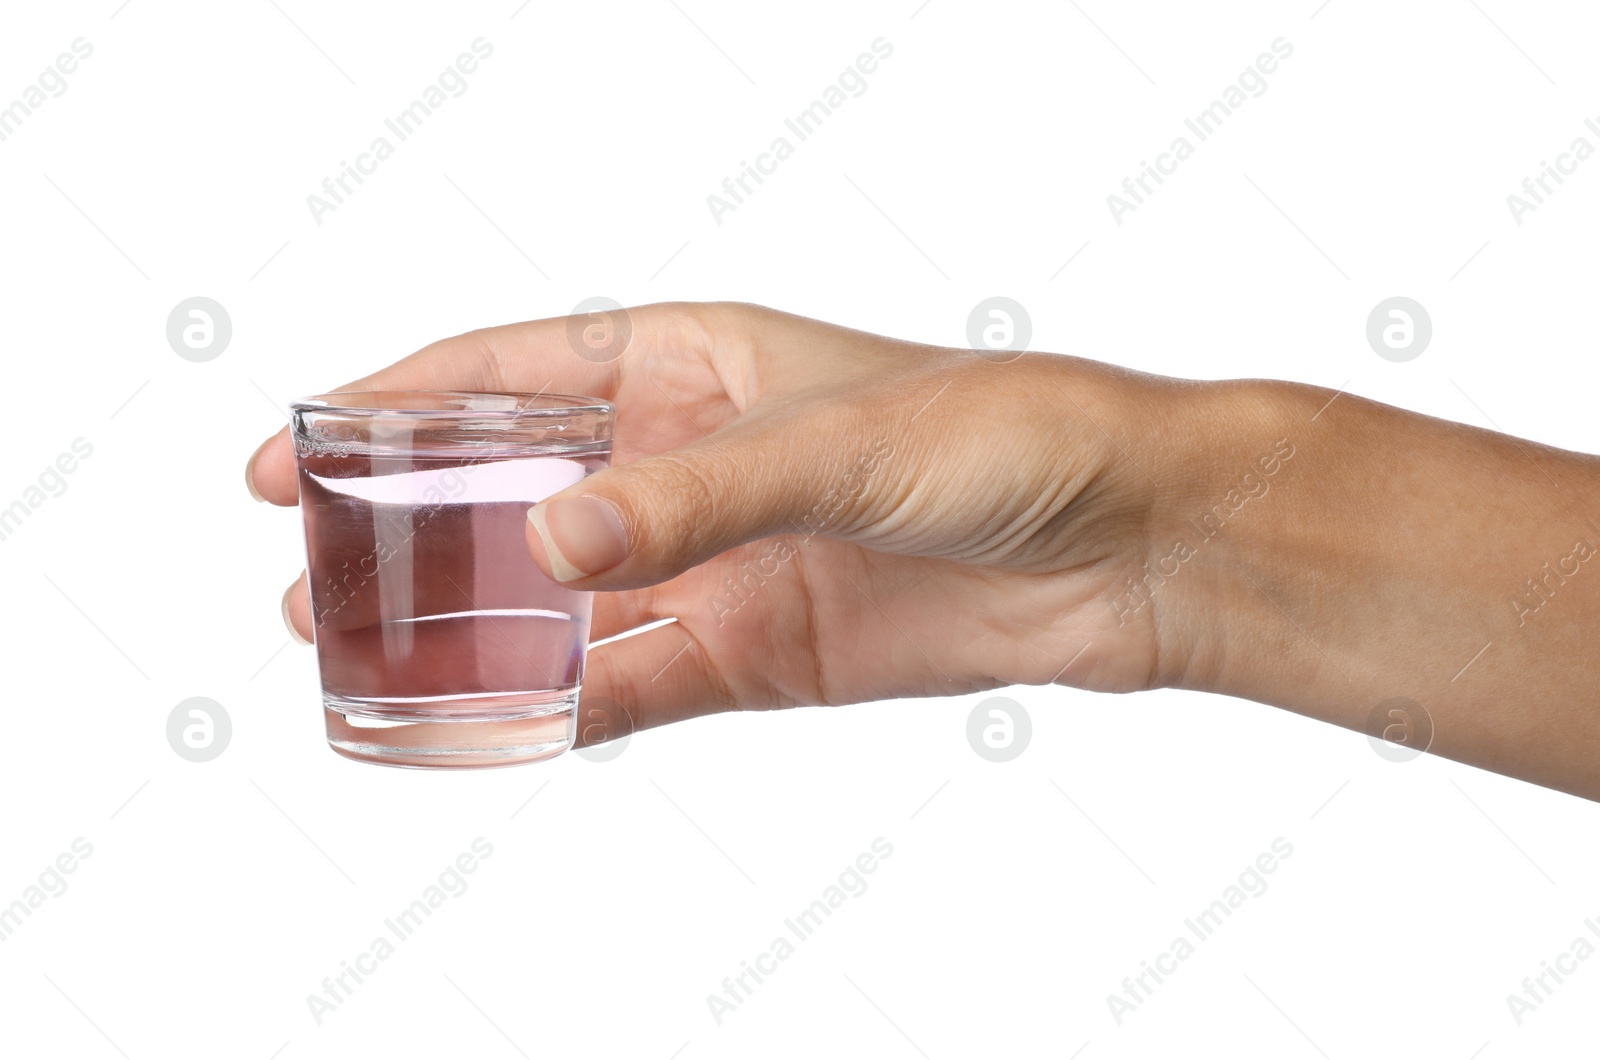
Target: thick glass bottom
[[453, 735]]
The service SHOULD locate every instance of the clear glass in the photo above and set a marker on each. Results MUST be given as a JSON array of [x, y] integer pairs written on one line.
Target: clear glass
[[440, 643]]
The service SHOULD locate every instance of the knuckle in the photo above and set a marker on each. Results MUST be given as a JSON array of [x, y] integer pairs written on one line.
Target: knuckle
[[684, 500]]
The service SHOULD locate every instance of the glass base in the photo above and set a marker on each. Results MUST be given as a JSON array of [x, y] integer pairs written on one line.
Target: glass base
[[453, 736]]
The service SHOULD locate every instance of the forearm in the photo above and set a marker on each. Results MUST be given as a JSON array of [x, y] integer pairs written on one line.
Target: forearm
[[1367, 553]]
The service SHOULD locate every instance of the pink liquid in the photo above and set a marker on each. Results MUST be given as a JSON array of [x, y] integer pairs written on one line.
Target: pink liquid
[[426, 604]]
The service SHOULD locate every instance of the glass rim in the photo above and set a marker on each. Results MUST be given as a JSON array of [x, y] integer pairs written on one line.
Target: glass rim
[[545, 404]]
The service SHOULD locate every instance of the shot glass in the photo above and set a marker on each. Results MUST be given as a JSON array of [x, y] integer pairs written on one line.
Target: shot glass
[[440, 643]]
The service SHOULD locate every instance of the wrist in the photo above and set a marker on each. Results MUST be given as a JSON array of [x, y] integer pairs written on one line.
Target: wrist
[[1163, 472], [1225, 471]]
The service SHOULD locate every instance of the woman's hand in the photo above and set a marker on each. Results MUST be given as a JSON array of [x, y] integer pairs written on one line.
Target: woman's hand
[[833, 517], [830, 516]]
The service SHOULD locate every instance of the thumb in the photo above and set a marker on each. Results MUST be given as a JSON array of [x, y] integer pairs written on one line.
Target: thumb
[[644, 522]]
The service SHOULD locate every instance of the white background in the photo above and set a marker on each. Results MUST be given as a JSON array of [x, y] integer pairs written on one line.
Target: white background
[[578, 163]]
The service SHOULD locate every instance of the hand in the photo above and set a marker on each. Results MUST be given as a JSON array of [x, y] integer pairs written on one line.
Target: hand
[[830, 516]]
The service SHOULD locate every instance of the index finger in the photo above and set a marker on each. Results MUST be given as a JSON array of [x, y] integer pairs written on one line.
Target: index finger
[[555, 355]]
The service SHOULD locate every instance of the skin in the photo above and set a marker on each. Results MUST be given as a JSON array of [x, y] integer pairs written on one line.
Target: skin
[[909, 520]]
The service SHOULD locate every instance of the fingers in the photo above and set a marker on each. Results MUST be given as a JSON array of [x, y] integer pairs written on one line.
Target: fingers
[[644, 522], [551, 355], [270, 474], [297, 610], [616, 613], [473, 361], [658, 677]]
